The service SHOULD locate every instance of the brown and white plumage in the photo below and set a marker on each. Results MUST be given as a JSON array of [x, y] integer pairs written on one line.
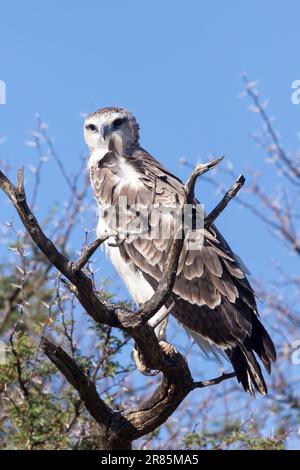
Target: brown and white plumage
[[212, 297]]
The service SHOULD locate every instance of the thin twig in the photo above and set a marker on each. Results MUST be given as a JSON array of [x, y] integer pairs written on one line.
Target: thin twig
[[198, 171], [288, 162], [88, 253], [215, 381], [230, 194]]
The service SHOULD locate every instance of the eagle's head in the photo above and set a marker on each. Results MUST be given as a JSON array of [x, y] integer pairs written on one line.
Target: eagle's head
[[106, 123]]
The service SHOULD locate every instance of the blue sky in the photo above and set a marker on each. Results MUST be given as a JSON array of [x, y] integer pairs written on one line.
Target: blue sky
[[176, 65]]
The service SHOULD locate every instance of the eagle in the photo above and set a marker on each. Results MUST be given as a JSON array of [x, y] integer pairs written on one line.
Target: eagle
[[212, 297]]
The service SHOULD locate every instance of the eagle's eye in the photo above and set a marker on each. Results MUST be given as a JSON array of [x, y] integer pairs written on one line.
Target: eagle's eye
[[118, 122], [91, 127]]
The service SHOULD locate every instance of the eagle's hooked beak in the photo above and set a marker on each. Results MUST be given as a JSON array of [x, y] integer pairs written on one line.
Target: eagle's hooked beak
[[105, 131]]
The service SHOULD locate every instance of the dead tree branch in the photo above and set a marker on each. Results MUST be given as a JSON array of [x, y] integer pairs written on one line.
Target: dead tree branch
[[217, 380], [119, 429], [83, 384], [88, 253], [230, 194], [198, 171]]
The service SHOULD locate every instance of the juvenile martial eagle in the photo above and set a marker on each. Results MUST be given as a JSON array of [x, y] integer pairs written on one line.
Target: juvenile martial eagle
[[212, 297]]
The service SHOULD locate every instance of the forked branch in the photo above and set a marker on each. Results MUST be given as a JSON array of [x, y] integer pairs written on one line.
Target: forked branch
[[118, 429]]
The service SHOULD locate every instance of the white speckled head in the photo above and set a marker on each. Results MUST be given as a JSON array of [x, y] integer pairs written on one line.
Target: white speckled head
[[100, 126]]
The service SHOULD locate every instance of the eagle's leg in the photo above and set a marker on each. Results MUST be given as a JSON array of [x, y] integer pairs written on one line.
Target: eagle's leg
[[159, 322], [138, 358]]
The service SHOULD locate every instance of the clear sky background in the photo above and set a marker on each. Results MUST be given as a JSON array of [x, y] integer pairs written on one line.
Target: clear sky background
[[176, 65]]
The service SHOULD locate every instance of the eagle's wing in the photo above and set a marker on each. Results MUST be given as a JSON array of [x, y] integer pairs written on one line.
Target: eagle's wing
[[213, 297]]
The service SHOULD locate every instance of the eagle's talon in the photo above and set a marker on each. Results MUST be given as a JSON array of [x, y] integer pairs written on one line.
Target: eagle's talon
[[137, 357]]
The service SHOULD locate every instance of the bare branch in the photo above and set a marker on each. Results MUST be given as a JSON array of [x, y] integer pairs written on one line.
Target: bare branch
[[217, 380], [79, 380], [86, 389], [289, 168], [88, 253], [230, 194], [198, 171], [119, 429], [86, 294]]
